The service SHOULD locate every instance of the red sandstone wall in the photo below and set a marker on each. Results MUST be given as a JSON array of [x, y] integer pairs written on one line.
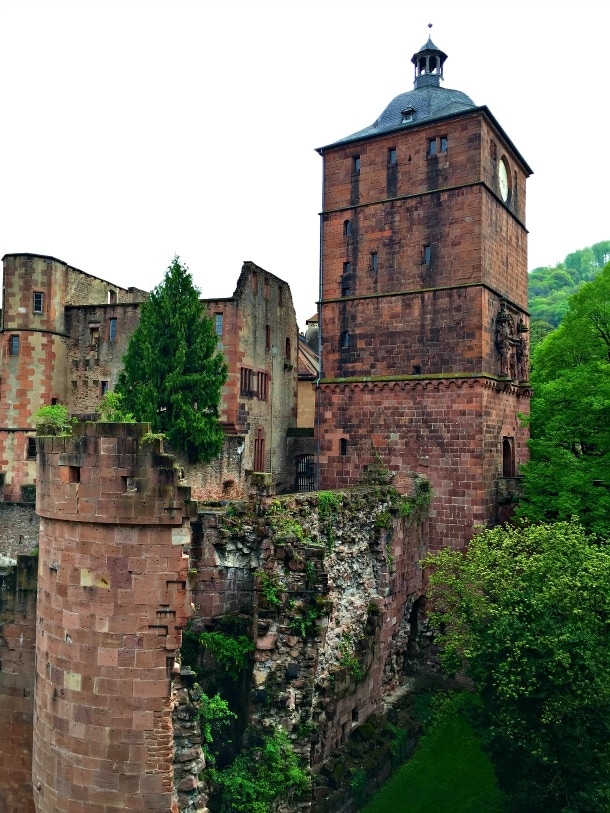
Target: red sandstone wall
[[451, 431], [113, 599], [17, 646]]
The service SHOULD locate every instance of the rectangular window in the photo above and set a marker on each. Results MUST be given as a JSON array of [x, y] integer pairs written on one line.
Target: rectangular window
[[218, 324], [356, 164], [347, 267], [263, 386], [112, 330], [392, 157], [38, 302], [431, 146], [31, 448], [280, 296], [346, 288], [13, 345], [444, 143], [245, 383], [254, 282], [94, 334], [427, 255], [267, 337], [374, 261], [103, 387], [111, 297]]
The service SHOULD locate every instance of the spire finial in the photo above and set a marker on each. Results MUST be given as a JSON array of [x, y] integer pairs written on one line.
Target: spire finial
[[429, 25]]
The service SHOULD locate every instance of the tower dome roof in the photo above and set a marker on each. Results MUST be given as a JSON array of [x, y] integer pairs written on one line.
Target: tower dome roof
[[425, 103]]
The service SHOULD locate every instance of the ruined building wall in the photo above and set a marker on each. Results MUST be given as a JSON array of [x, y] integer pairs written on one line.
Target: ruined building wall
[[112, 601], [338, 637], [33, 352], [259, 339], [98, 339], [17, 647]]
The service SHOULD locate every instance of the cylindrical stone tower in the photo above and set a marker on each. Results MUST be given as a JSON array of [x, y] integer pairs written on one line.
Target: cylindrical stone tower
[[112, 600]]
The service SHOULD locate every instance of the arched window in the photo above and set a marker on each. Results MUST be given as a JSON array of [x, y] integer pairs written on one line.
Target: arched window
[[342, 446], [347, 228]]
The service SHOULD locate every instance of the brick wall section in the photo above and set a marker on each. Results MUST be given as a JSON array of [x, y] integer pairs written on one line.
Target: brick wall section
[[113, 599], [17, 647], [416, 261]]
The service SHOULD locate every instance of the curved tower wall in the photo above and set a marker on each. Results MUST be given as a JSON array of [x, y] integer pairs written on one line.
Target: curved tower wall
[[112, 601]]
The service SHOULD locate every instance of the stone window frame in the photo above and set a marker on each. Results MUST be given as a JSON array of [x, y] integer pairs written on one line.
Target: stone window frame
[[112, 329], [38, 302], [218, 323], [30, 451], [13, 345], [392, 157]]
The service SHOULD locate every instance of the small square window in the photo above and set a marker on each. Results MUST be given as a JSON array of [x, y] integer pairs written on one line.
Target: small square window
[[13, 345], [431, 146], [38, 302], [356, 164], [392, 159], [31, 451], [218, 324], [112, 330]]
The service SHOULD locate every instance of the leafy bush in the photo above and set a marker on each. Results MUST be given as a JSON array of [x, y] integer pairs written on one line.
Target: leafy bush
[[232, 653], [263, 774], [111, 410], [55, 419]]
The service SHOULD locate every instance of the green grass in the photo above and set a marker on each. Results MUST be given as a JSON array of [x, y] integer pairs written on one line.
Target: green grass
[[448, 773]]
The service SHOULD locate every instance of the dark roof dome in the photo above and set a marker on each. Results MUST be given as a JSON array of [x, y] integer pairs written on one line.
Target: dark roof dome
[[426, 102]]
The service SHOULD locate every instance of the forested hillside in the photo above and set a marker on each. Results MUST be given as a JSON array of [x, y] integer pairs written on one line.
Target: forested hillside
[[551, 287]]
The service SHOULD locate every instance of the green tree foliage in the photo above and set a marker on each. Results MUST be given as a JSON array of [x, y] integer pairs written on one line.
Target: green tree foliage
[[172, 372], [551, 287], [526, 614], [569, 470]]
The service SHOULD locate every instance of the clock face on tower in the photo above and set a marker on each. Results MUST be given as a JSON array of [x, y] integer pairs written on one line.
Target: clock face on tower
[[503, 179]]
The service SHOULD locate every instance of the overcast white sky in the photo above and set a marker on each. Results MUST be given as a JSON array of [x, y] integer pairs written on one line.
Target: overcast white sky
[[133, 130]]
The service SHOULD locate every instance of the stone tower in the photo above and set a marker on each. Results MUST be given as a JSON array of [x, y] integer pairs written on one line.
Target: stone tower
[[113, 598], [423, 302]]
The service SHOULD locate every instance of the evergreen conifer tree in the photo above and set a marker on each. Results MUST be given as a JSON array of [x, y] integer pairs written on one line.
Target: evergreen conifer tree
[[172, 371]]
